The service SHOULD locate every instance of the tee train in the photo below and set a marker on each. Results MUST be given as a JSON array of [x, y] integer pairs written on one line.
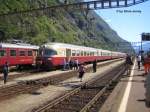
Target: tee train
[[51, 54], [56, 54]]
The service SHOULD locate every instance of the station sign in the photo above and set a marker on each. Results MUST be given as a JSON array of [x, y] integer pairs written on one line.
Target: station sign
[[145, 36]]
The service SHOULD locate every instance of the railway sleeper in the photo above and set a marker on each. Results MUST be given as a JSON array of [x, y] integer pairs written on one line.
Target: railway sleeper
[[62, 109], [83, 95], [59, 110], [96, 106], [79, 101], [70, 106], [85, 98], [97, 87], [73, 103]]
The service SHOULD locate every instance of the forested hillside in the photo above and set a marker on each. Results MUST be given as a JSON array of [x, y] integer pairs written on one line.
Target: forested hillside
[[56, 25]]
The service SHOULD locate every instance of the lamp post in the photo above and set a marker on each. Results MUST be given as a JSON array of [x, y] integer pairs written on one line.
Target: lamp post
[[141, 47]]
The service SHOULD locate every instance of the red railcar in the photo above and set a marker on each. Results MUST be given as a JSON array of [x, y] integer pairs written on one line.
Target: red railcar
[[18, 54]]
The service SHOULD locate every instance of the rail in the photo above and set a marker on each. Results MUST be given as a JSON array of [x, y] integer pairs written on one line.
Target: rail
[[55, 105]]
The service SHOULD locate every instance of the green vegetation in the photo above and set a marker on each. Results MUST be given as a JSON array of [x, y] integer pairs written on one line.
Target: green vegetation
[[57, 25]]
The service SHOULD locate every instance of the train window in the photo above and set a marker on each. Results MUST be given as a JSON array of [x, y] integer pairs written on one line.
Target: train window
[[12, 52], [49, 52], [22, 53], [30, 53], [2, 53], [97, 53], [73, 52], [84, 53], [87, 53], [78, 53], [91, 53], [103, 53]]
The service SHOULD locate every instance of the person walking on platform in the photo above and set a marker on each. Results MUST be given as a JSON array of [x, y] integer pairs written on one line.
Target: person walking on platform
[[94, 65], [139, 61], [81, 71], [128, 63], [5, 71], [147, 64]]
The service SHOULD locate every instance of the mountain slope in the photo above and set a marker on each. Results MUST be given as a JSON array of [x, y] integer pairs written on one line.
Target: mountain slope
[[61, 25]]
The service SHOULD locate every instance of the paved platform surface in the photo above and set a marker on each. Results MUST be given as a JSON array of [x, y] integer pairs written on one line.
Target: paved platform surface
[[136, 100], [26, 102], [129, 94]]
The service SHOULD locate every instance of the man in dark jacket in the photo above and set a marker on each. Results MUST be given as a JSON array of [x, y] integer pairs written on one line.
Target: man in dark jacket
[[128, 63], [94, 65], [128, 60], [5, 71]]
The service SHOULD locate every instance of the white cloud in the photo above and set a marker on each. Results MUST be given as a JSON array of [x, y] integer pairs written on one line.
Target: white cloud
[[108, 20]]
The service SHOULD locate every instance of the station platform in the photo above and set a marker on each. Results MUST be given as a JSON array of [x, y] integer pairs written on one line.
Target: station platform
[[37, 76], [129, 94], [27, 102]]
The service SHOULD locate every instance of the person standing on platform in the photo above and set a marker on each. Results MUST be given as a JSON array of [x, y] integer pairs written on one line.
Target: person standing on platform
[[139, 61], [64, 64], [147, 90], [94, 65], [71, 64], [76, 64], [81, 71], [5, 71], [147, 64]]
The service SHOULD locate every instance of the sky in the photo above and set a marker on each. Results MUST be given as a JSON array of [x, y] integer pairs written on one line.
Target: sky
[[128, 25]]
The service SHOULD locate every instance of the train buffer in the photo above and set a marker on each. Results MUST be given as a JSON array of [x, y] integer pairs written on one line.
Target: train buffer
[[129, 94]]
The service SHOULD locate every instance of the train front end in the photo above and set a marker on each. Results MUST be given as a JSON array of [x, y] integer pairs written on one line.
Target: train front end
[[47, 58]]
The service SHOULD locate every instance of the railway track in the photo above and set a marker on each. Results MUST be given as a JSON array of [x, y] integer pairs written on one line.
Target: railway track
[[87, 98], [13, 75], [33, 85], [31, 72]]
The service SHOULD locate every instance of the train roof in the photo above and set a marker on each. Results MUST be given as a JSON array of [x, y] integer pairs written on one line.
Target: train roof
[[18, 45], [64, 45]]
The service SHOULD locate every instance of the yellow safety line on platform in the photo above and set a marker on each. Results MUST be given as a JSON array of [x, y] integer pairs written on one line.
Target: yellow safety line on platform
[[124, 101]]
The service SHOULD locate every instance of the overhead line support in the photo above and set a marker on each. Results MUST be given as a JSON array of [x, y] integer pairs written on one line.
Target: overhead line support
[[90, 5]]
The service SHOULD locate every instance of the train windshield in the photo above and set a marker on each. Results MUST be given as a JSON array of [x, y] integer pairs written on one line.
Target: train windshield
[[49, 52]]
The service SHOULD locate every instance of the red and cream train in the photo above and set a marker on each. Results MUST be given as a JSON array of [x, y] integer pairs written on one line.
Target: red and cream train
[[51, 54]]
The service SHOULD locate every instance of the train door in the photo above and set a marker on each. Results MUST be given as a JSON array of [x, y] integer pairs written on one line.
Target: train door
[[34, 56], [3, 56], [13, 56], [68, 54]]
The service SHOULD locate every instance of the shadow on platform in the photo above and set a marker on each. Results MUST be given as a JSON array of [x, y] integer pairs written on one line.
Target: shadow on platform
[[35, 93], [138, 81], [146, 103], [140, 75]]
